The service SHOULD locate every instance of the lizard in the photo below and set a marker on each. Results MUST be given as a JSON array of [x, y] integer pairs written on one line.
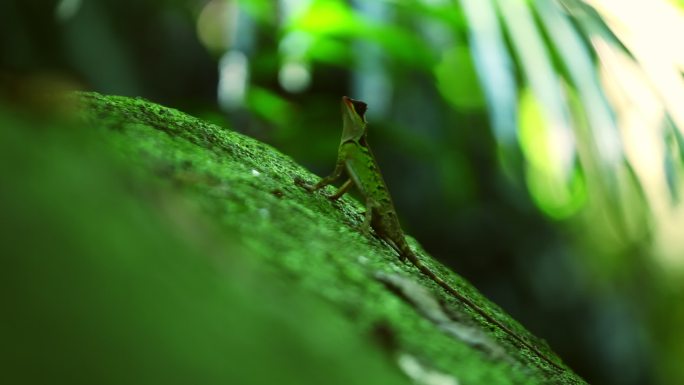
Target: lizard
[[356, 159]]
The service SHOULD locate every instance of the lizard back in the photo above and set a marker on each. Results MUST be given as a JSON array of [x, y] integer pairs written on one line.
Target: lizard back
[[363, 169]]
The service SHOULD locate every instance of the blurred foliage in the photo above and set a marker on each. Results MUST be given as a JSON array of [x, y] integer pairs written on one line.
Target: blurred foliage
[[536, 146]]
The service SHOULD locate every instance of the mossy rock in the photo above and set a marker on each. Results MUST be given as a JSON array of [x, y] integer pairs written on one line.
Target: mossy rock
[[146, 246]]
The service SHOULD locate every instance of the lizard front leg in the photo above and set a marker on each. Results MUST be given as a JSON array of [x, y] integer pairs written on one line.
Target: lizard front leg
[[341, 191], [371, 206], [339, 167]]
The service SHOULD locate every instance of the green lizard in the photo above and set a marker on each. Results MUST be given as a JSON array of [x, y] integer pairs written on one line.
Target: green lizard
[[356, 159]]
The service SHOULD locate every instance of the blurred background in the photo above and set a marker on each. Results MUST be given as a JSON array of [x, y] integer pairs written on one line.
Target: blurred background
[[536, 147]]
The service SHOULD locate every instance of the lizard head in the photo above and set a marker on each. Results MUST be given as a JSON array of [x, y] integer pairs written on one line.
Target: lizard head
[[353, 119]]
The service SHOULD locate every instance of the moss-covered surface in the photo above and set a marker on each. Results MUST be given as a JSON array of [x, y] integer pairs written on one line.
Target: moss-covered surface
[[160, 247]]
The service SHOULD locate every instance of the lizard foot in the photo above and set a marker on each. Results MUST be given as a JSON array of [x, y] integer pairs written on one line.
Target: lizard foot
[[364, 229], [303, 184]]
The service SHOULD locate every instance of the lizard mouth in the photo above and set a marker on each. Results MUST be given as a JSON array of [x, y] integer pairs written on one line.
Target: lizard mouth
[[358, 106]]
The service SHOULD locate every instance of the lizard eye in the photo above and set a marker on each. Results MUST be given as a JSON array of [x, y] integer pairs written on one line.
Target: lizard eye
[[360, 108]]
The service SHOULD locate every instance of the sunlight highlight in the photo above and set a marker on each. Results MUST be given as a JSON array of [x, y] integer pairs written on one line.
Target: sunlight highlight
[[66, 9], [217, 24], [556, 186], [233, 80], [645, 94], [652, 30], [294, 76]]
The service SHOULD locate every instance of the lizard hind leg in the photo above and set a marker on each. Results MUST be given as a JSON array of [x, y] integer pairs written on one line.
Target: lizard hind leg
[[395, 247], [405, 252], [371, 208]]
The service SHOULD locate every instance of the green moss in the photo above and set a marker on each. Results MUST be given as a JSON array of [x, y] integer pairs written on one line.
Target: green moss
[[229, 225]]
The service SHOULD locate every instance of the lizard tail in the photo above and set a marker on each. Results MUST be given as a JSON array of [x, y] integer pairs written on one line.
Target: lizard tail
[[407, 253]]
